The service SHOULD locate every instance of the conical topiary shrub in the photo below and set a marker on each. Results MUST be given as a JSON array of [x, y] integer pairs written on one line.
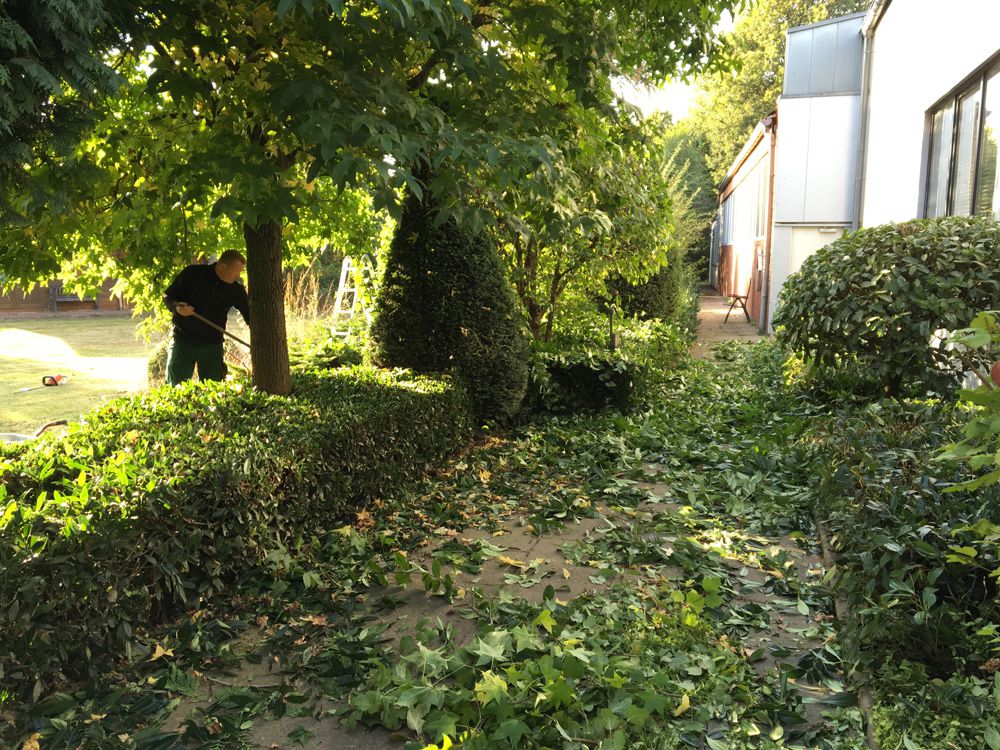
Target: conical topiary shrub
[[445, 304]]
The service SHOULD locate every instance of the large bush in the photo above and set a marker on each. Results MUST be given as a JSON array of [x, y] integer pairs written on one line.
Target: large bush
[[877, 296], [917, 560], [162, 500], [445, 304]]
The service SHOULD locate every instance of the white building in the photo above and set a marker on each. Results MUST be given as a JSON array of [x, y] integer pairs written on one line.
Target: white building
[[885, 116], [932, 110]]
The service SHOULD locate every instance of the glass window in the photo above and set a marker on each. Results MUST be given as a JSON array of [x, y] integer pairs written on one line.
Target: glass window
[[988, 190], [942, 125], [967, 137]]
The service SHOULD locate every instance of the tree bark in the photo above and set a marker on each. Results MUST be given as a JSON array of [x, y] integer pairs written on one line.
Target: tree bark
[[269, 341]]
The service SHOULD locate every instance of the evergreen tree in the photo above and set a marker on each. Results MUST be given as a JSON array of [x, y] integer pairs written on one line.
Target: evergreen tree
[[445, 305]]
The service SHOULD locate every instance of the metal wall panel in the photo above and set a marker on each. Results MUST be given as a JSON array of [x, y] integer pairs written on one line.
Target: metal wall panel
[[824, 58]]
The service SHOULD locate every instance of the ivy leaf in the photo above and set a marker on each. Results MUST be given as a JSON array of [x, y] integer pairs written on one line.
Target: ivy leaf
[[545, 620], [513, 730], [492, 687]]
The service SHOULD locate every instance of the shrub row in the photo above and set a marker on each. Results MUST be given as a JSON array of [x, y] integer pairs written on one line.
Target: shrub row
[[165, 499], [918, 563]]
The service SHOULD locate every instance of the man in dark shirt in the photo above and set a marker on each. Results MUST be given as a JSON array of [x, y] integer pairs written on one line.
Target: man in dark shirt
[[209, 291]]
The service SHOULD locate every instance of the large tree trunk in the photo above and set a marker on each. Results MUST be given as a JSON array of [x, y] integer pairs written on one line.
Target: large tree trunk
[[268, 342]]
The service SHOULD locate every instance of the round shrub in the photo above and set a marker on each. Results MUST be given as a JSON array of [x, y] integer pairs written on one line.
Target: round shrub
[[445, 304], [877, 296]]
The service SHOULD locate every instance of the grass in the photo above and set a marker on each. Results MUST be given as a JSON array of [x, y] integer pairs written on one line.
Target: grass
[[102, 356]]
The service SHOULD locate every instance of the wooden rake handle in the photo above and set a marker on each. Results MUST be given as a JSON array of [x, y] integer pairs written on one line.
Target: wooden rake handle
[[220, 329]]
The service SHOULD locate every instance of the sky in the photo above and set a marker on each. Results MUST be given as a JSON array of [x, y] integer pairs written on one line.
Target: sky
[[675, 97]]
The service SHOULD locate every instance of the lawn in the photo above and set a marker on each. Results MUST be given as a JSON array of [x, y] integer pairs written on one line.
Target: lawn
[[102, 356]]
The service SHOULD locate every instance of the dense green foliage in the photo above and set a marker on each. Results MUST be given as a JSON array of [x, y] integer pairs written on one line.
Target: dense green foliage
[[167, 499], [588, 380], [980, 444], [52, 68], [918, 566], [615, 206], [878, 296], [661, 297], [444, 304]]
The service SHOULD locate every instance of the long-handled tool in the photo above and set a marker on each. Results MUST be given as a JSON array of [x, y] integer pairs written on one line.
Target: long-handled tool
[[220, 329]]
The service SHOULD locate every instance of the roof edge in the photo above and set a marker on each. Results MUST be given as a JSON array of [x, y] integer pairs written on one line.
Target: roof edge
[[828, 21], [874, 16], [762, 127]]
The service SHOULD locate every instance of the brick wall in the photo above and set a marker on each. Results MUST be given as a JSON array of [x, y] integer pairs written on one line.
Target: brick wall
[[45, 298]]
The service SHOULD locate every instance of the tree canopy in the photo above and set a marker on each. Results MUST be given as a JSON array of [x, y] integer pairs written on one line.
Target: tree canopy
[[241, 116], [52, 67]]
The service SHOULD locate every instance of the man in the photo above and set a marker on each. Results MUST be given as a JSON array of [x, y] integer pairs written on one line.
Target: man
[[210, 291]]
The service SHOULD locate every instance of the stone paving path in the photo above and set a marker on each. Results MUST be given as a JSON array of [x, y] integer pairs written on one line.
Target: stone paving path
[[713, 328]]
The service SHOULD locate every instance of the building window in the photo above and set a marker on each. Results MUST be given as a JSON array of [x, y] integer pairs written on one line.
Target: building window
[[988, 189], [961, 173]]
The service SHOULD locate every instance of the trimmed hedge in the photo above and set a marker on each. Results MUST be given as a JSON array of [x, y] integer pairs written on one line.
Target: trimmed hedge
[[916, 559], [662, 297], [586, 381], [165, 499], [876, 296], [445, 305]]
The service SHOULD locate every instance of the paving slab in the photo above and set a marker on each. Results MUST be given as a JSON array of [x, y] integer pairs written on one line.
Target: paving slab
[[713, 327]]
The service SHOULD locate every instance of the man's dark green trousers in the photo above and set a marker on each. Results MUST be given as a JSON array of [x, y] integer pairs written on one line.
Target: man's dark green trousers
[[184, 355]]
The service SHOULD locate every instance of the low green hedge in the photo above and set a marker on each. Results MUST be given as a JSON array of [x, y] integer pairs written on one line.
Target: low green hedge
[[586, 381], [163, 500], [917, 563]]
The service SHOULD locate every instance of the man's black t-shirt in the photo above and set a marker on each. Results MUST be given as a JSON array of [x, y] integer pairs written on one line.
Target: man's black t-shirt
[[210, 296]]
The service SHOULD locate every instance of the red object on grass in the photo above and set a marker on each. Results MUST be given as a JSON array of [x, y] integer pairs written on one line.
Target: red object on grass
[[995, 373]]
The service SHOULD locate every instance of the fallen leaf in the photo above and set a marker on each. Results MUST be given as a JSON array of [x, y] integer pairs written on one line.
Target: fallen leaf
[[159, 652], [32, 742], [484, 476], [565, 573], [685, 705], [512, 562]]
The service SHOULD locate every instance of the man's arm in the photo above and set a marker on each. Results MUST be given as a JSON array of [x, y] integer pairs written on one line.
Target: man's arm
[[176, 294]]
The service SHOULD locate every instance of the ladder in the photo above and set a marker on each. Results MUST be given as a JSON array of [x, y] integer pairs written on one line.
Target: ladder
[[354, 274]]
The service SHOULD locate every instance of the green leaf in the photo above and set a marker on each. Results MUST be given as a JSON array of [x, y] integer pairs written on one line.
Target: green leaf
[[491, 687], [55, 704], [513, 730], [545, 620]]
